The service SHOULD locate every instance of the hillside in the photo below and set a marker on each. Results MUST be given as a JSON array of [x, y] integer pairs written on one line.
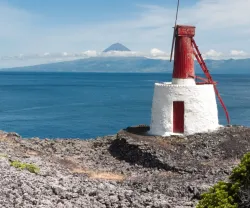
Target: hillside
[[101, 64], [124, 170], [134, 64]]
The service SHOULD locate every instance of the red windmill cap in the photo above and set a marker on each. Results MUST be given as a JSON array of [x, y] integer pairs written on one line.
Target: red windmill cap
[[184, 53], [185, 30]]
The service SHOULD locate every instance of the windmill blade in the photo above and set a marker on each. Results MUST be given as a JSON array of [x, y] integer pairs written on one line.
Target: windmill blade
[[173, 40], [172, 48]]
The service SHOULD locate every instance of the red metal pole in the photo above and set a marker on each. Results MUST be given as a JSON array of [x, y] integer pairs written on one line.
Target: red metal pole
[[209, 77]]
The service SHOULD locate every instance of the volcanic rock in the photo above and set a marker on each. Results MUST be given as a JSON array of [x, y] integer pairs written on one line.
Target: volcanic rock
[[129, 169]]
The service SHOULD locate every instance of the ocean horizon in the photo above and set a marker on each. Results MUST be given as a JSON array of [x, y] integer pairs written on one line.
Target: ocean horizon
[[87, 105]]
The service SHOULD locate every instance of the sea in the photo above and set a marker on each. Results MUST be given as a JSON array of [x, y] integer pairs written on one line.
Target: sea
[[88, 105]]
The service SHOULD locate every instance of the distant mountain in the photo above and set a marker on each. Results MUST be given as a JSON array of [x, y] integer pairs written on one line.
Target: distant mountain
[[101, 64], [135, 64], [230, 66], [116, 47]]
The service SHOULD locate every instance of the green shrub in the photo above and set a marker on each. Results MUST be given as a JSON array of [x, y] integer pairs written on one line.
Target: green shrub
[[229, 194], [30, 167], [221, 195], [241, 174]]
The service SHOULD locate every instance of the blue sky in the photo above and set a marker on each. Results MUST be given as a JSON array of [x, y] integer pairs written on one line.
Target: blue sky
[[74, 26], [78, 11]]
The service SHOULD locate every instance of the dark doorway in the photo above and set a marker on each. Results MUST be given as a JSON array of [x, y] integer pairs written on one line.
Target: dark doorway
[[178, 117]]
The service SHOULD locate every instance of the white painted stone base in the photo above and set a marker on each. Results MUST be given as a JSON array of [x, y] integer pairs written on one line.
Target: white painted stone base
[[200, 113], [183, 81]]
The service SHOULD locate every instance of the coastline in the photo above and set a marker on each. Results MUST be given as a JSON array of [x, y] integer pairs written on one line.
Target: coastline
[[124, 170]]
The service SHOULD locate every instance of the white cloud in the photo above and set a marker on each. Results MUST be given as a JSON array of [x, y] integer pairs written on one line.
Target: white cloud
[[32, 59], [151, 28], [157, 52], [212, 54], [46, 54], [90, 53], [222, 14], [121, 54], [234, 54], [238, 53]]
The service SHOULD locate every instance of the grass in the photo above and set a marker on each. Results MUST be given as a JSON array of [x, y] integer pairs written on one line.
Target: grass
[[3, 155], [25, 166]]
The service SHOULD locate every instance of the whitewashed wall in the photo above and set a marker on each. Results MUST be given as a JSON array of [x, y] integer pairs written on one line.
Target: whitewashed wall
[[201, 114]]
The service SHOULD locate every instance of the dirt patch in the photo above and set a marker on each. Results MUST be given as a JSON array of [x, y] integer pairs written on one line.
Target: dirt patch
[[100, 175], [31, 153]]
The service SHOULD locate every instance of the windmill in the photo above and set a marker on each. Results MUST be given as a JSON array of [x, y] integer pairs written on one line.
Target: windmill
[[201, 62], [185, 106]]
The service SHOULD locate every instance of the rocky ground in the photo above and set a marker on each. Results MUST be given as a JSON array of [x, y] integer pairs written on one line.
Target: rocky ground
[[129, 169]]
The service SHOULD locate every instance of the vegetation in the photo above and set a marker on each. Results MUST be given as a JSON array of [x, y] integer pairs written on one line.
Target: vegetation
[[3, 155], [30, 167], [232, 194]]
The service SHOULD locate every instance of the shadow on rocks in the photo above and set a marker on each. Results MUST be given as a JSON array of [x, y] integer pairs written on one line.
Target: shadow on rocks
[[136, 152]]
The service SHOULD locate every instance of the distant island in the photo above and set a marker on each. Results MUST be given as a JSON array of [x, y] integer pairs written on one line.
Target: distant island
[[117, 58], [134, 65]]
